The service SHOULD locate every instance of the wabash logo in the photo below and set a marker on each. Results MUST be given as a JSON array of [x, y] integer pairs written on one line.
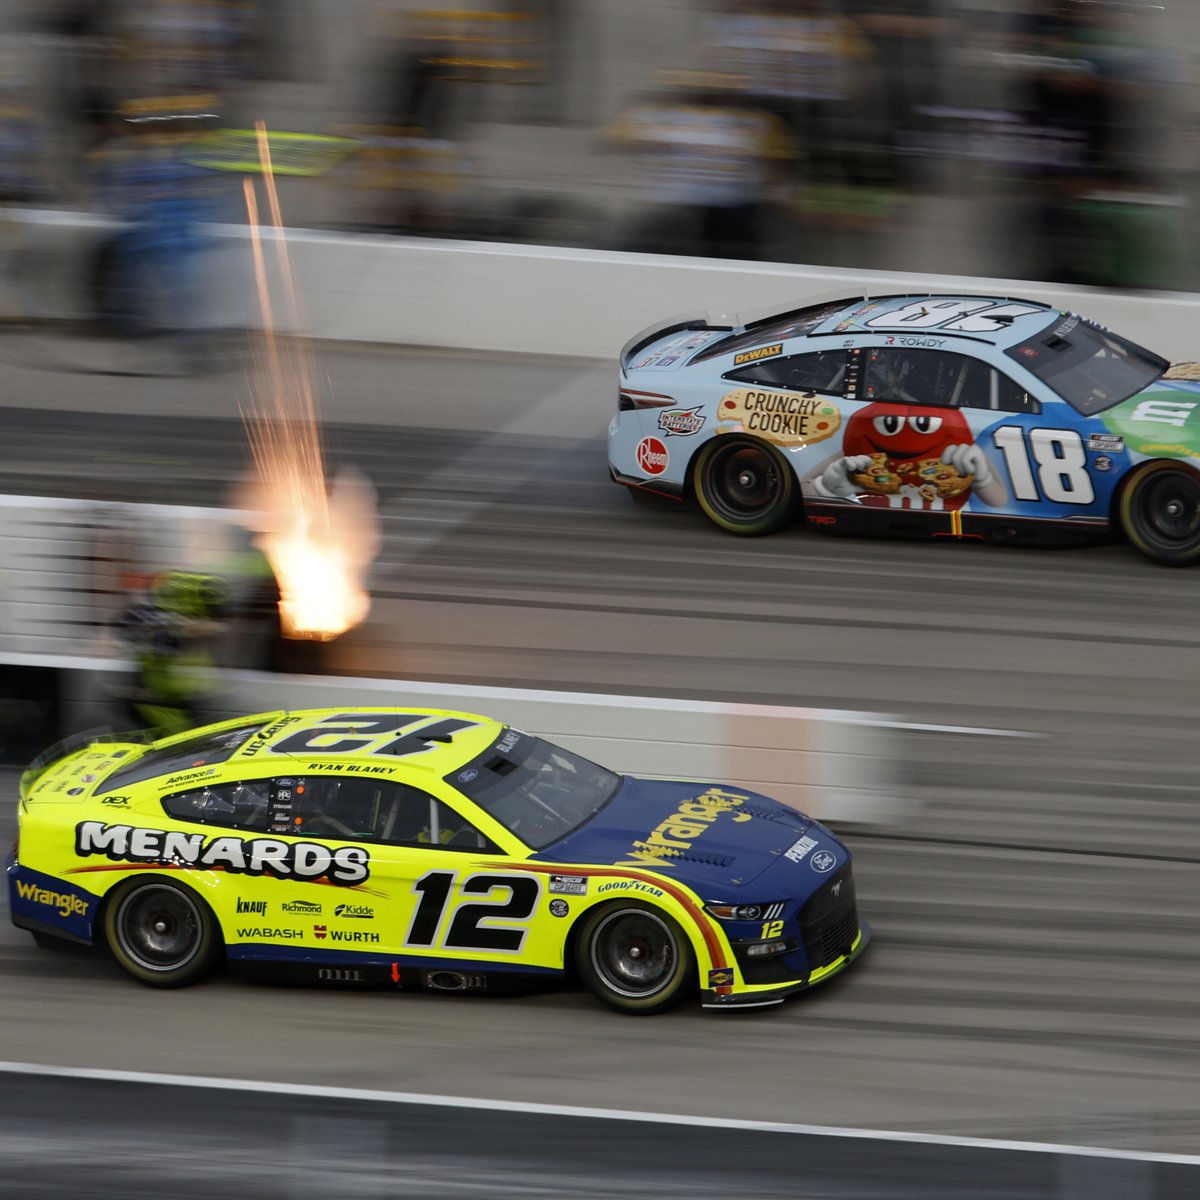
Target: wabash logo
[[652, 456]]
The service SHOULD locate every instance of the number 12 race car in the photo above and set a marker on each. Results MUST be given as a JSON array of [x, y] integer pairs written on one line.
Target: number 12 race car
[[425, 849], [917, 416]]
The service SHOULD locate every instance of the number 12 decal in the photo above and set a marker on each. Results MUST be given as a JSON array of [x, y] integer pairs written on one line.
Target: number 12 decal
[[467, 930], [1059, 457]]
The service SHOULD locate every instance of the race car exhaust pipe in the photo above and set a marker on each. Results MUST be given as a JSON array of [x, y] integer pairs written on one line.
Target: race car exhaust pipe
[[446, 981]]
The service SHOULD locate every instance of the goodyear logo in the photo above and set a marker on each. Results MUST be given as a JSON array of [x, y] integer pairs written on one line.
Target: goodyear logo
[[67, 903], [674, 836], [749, 356]]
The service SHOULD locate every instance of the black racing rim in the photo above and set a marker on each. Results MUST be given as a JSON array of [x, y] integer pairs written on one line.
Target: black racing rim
[[159, 927], [742, 482], [634, 953], [1167, 507]]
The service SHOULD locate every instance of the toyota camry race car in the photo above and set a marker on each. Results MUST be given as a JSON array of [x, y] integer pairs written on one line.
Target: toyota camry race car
[[425, 849], [916, 416]]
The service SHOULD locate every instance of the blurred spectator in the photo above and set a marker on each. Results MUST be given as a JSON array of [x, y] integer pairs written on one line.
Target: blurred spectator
[[800, 60], [172, 632], [1100, 214], [708, 158], [22, 136], [147, 275]]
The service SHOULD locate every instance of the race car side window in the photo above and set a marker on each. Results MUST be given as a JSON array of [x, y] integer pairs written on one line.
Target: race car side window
[[362, 809], [234, 805], [1011, 397], [927, 377], [823, 372]]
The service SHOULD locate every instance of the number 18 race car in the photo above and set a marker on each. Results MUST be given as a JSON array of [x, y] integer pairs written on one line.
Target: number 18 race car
[[917, 416], [424, 849]]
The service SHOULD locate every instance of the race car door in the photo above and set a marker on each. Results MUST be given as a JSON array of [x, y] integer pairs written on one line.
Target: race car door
[[435, 895]]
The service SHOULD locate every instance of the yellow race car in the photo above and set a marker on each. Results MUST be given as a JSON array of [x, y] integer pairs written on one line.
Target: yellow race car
[[408, 848]]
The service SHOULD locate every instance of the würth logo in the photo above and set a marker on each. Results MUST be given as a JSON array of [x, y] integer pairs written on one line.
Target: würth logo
[[320, 931]]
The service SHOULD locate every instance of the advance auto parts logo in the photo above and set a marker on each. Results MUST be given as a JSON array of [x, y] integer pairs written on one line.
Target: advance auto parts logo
[[250, 856], [652, 456], [782, 418]]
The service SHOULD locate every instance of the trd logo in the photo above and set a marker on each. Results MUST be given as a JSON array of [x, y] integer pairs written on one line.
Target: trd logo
[[252, 906]]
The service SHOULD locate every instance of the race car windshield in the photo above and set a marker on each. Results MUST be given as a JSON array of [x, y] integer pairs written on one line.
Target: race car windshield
[[536, 790], [1089, 367], [191, 755]]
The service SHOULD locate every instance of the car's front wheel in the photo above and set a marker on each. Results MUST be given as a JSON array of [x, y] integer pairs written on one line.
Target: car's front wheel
[[635, 958], [1160, 513], [744, 485], [161, 933]]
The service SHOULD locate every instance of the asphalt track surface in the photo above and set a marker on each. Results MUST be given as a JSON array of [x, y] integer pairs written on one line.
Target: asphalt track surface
[[1035, 903]]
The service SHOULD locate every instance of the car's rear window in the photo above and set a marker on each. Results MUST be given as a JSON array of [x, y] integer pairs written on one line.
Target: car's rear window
[[1091, 368], [205, 750]]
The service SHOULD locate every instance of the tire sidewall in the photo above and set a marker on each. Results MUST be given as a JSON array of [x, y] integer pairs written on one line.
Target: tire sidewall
[[1131, 518], [196, 967], [681, 982], [781, 512]]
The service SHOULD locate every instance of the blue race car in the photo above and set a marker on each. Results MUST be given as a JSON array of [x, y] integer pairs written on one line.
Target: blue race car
[[917, 416]]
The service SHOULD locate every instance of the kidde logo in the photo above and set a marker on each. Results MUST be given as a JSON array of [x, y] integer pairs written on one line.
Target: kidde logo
[[652, 456]]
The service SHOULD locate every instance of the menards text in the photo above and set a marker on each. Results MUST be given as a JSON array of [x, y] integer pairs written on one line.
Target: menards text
[[240, 856]]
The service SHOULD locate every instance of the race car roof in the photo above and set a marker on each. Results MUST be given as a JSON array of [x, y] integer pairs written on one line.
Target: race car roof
[[435, 740], [1002, 321]]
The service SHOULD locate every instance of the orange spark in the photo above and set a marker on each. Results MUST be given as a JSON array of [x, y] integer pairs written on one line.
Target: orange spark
[[319, 539]]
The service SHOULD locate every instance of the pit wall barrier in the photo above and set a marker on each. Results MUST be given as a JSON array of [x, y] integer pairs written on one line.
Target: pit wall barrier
[[844, 767], [541, 300]]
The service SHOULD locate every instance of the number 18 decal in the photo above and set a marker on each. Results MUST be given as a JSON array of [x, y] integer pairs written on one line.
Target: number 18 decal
[[1059, 457], [471, 926]]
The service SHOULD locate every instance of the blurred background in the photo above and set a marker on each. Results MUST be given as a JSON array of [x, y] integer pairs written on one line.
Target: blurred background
[[1035, 892], [1035, 139]]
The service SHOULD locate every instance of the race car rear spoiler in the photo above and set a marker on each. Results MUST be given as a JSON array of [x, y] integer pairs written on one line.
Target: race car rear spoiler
[[652, 333]]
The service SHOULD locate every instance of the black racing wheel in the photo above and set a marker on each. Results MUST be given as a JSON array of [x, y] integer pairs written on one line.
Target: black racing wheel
[[1160, 513], [635, 958], [745, 486], [161, 933]]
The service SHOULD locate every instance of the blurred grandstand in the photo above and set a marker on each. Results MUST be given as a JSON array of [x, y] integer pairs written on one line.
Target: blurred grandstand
[[1041, 139]]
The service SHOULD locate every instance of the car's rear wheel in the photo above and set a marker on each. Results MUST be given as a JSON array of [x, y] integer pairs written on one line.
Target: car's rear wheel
[[635, 958], [745, 486], [161, 933], [1160, 513]]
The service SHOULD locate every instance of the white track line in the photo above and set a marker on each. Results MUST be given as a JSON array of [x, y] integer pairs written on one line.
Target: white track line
[[604, 1114]]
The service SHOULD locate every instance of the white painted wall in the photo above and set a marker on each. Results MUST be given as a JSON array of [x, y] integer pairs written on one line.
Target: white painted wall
[[545, 300]]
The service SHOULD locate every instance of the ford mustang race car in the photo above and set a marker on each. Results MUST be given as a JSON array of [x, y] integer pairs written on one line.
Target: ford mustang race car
[[916, 416], [424, 849]]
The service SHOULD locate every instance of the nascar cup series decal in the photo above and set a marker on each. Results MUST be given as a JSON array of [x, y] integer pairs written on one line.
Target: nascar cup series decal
[[779, 417], [250, 856]]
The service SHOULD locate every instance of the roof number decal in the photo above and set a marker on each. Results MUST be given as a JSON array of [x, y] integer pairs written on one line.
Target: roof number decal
[[957, 316], [371, 733]]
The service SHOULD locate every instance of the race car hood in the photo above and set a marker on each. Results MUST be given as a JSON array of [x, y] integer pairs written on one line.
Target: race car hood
[[703, 835]]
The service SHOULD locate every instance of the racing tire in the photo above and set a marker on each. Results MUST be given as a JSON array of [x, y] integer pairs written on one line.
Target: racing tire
[[1160, 513], [635, 958], [745, 486], [161, 933]]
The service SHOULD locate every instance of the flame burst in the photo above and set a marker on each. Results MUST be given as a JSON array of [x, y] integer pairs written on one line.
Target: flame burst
[[319, 539]]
